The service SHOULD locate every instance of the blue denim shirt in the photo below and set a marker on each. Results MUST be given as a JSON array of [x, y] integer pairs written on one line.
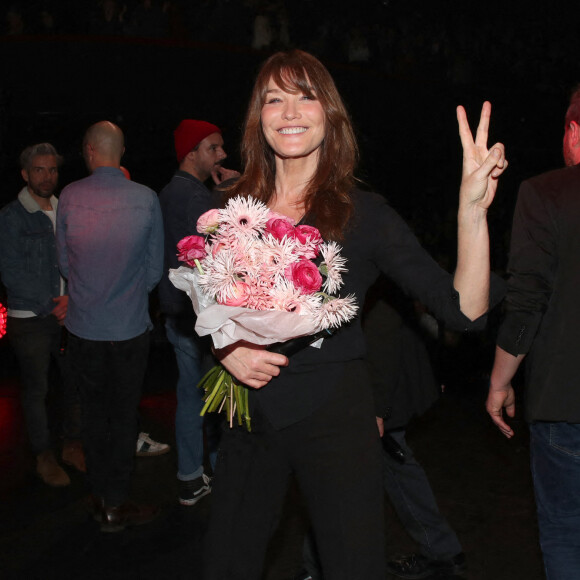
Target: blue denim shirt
[[28, 264], [109, 236]]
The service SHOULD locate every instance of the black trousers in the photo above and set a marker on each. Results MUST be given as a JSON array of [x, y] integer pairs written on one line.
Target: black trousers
[[336, 457], [110, 375], [36, 342]]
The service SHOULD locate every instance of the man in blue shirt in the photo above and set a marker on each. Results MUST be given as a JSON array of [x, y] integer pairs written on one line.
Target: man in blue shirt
[[110, 248], [37, 307], [200, 153]]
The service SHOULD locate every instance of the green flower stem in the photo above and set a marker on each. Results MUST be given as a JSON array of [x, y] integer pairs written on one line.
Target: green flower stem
[[224, 394], [198, 266], [215, 391]]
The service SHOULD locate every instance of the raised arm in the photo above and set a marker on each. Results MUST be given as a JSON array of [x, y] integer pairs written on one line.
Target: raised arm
[[481, 170]]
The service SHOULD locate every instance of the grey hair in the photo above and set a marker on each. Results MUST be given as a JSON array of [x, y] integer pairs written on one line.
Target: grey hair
[[33, 151]]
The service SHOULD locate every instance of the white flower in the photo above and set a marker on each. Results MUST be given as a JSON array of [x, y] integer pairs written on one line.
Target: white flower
[[332, 266]]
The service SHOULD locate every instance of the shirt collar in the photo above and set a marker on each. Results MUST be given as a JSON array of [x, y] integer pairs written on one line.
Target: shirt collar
[[30, 204]]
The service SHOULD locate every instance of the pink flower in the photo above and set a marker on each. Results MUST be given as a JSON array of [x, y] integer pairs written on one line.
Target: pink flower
[[279, 227], [305, 234], [208, 222], [238, 294], [309, 240], [280, 216], [305, 275], [190, 249]]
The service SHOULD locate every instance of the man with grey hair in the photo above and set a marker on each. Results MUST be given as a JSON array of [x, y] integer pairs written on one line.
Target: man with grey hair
[[110, 248], [37, 307], [542, 318]]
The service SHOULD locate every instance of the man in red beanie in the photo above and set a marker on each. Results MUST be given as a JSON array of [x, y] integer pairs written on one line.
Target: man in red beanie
[[200, 153]]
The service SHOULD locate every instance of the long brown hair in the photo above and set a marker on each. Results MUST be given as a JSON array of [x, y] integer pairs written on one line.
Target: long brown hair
[[327, 197]]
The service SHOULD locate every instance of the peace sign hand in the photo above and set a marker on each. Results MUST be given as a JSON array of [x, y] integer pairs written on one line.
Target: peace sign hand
[[481, 167]]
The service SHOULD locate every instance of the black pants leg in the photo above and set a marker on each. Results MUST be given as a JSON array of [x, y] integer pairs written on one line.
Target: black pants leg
[[335, 454], [110, 378]]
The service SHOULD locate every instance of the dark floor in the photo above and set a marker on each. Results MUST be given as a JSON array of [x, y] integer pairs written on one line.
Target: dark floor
[[482, 482]]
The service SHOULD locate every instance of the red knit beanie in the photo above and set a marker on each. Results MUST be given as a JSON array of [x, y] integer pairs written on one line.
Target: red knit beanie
[[189, 133]]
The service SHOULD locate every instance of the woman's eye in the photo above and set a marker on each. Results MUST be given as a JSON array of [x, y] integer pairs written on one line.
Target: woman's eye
[[273, 100]]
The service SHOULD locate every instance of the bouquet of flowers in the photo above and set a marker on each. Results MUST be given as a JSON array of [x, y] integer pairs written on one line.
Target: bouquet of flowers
[[3, 316], [256, 276]]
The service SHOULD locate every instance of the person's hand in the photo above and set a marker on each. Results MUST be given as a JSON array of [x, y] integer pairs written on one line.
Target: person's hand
[[481, 167], [220, 174], [381, 426], [499, 398], [251, 364], [59, 311]]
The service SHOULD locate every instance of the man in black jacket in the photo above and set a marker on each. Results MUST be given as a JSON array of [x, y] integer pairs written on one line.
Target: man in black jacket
[[541, 324], [200, 153]]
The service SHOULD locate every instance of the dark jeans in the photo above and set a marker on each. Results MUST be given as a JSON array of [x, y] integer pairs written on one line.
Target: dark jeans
[[410, 493], [36, 343], [555, 462], [335, 456], [111, 377]]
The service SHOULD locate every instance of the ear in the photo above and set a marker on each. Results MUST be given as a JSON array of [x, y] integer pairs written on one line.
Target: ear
[[24, 174], [574, 130]]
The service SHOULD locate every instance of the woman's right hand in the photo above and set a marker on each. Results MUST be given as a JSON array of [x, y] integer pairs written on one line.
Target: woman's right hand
[[251, 364]]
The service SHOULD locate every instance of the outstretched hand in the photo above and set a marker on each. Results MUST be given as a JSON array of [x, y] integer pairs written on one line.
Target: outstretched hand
[[481, 166]]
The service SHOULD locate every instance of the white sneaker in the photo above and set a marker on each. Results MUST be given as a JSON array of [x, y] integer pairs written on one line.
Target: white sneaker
[[146, 447]]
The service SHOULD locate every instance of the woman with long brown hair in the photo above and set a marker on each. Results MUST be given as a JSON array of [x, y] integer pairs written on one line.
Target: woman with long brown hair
[[312, 415]]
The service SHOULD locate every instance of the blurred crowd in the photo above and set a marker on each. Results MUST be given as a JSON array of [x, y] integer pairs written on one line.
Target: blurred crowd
[[404, 39]]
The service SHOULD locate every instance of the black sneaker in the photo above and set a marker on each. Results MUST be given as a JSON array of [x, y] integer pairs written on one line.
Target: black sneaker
[[190, 492], [416, 566]]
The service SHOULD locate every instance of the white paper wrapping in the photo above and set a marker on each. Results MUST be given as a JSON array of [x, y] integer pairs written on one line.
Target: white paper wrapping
[[228, 324]]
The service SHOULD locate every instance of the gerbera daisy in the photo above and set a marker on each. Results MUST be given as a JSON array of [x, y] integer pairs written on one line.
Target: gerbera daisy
[[332, 266], [336, 311], [244, 216], [277, 255], [220, 274]]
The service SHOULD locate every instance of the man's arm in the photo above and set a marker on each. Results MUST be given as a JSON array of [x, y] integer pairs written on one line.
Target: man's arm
[[155, 248], [501, 393], [60, 233]]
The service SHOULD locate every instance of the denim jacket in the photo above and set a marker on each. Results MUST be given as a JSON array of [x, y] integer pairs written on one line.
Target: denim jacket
[[28, 264]]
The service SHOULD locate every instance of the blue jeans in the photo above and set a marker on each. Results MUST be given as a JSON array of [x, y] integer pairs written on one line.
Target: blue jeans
[[555, 463], [410, 493], [189, 351]]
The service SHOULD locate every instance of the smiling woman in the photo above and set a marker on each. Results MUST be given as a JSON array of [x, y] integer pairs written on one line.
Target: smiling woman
[[293, 125], [313, 415]]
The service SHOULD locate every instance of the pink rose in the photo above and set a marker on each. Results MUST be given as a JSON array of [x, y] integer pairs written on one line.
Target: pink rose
[[190, 249], [305, 234], [208, 222], [239, 294], [305, 276], [280, 227]]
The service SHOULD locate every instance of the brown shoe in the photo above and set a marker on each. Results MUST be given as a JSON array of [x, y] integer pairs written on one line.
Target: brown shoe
[[50, 471], [116, 519], [73, 454]]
